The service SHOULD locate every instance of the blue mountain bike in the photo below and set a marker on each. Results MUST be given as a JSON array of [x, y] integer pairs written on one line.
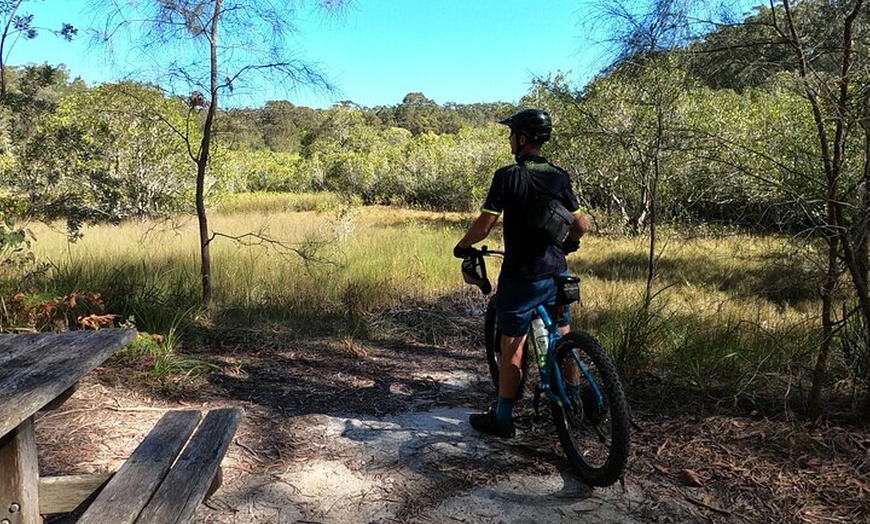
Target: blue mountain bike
[[579, 379]]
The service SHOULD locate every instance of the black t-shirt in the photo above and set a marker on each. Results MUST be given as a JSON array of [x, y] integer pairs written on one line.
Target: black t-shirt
[[528, 257]]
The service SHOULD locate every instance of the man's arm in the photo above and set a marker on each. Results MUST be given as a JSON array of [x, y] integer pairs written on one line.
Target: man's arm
[[579, 228], [479, 229]]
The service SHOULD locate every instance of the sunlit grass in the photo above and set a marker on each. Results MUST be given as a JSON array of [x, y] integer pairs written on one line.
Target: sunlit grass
[[362, 258], [720, 306], [401, 254], [277, 202]]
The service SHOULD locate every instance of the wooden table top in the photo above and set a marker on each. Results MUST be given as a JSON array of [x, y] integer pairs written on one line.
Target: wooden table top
[[36, 368]]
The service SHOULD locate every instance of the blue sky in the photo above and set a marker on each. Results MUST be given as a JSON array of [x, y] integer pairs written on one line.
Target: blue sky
[[461, 51], [451, 50]]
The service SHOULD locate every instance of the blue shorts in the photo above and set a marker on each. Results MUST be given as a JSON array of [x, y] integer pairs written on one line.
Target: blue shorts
[[516, 300]]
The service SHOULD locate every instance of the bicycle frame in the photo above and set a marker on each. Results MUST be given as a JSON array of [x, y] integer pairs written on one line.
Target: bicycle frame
[[578, 400], [548, 365]]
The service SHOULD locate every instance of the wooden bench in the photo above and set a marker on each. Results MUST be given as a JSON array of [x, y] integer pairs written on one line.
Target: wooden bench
[[172, 471], [39, 370]]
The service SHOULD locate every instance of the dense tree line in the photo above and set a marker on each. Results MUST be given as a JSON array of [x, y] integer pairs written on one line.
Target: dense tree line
[[116, 151], [282, 127], [67, 145], [737, 149]]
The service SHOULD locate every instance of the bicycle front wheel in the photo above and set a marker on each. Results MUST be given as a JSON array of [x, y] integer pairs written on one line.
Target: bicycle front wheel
[[594, 429]]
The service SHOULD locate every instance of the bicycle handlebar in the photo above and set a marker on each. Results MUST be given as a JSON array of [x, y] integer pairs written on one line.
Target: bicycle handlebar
[[486, 252], [474, 268]]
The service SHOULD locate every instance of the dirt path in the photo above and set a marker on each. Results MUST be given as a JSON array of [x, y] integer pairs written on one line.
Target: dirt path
[[340, 432], [415, 467]]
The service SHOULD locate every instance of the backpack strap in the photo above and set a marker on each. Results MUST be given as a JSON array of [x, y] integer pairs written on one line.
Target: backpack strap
[[538, 189]]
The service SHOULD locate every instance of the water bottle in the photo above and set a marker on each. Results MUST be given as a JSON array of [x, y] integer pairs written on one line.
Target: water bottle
[[540, 339]]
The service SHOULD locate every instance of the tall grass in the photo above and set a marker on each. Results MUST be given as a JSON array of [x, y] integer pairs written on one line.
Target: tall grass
[[735, 314], [730, 314], [262, 202], [362, 259]]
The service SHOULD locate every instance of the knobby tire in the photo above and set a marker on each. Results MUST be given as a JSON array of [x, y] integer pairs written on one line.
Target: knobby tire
[[595, 439]]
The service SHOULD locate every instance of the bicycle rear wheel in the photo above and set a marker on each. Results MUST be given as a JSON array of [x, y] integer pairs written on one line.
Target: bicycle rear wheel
[[492, 343], [594, 431]]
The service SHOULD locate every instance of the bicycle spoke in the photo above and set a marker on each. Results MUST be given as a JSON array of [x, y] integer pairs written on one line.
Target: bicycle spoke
[[601, 436]]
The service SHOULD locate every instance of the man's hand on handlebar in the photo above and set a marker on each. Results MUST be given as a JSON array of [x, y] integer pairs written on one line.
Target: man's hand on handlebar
[[570, 246], [464, 252]]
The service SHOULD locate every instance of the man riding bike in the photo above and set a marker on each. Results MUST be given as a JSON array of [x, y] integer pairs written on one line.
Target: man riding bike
[[531, 259]]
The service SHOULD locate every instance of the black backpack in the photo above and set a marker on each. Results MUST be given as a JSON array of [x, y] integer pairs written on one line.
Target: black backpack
[[546, 217]]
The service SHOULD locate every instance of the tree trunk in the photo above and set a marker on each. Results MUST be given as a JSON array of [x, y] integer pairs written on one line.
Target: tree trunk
[[854, 234], [202, 164], [862, 243], [204, 240], [653, 199], [820, 371]]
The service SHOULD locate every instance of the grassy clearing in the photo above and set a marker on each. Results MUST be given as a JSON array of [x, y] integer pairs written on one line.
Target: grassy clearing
[[726, 311], [366, 258], [730, 314], [278, 202]]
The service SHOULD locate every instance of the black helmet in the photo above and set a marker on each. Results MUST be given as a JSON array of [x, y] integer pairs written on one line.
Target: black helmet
[[534, 123]]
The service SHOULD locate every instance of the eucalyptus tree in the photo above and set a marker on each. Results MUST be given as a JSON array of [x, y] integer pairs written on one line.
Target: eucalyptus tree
[[205, 50], [652, 83], [18, 24], [418, 114], [831, 71], [817, 50], [452, 171], [281, 130], [620, 136], [102, 156], [343, 145], [34, 91]]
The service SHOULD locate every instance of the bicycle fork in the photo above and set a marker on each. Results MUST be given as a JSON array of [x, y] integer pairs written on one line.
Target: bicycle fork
[[547, 367], [546, 361]]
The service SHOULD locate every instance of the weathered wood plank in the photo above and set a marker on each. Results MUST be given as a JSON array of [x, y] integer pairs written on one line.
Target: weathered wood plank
[[65, 493], [19, 475], [189, 479], [133, 485], [60, 399], [37, 368]]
